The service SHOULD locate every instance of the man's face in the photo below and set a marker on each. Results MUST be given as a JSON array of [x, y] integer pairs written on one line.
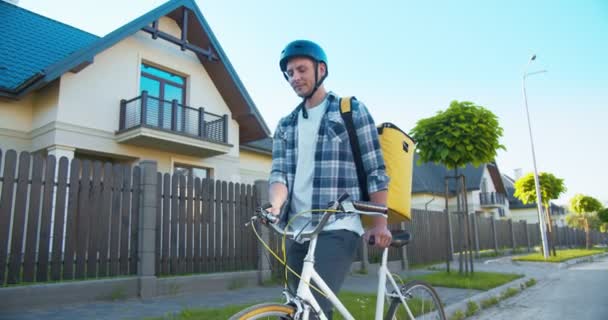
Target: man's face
[[300, 73]]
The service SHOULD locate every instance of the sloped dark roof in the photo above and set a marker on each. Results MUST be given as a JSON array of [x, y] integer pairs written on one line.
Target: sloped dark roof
[[31, 42], [430, 178], [262, 146], [80, 53]]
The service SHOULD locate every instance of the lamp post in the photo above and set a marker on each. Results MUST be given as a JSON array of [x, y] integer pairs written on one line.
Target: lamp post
[[541, 219]]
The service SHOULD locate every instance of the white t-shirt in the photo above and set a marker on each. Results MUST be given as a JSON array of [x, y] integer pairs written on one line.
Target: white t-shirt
[[308, 132], [301, 198]]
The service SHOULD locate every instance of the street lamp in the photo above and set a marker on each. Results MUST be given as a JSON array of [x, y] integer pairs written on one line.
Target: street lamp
[[539, 201]]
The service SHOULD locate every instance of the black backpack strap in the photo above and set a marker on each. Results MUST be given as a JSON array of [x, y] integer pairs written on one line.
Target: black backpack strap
[[347, 116]]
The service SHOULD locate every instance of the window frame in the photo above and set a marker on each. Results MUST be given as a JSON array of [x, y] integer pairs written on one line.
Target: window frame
[[163, 81], [190, 167]]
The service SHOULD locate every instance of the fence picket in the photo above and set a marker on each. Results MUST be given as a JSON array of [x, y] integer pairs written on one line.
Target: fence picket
[[59, 219], [159, 221], [33, 217], [6, 204], [189, 224], [217, 226], [197, 226], [135, 203], [173, 219], [82, 218], [94, 221], [182, 225], [19, 219], [19, 215], [104, 220], [205, 214], [125, 217], [44, 239], [115, 220], [225, 258], [166, 226]]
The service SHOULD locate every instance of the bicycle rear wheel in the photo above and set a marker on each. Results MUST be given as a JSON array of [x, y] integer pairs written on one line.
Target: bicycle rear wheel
[[266, 311], [422, 301]]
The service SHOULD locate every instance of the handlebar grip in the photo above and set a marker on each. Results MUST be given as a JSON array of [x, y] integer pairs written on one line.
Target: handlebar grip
[[369, 206]]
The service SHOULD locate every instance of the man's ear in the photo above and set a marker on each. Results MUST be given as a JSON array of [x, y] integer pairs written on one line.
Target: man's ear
[[322, 69]]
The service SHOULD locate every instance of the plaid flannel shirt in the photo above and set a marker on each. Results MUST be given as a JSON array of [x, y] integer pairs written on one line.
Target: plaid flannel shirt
[[334, 168]]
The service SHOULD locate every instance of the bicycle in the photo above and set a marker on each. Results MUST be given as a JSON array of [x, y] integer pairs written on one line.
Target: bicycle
[[405, 300]]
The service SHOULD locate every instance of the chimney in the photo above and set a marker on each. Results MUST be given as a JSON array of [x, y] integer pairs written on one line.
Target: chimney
[[517, 174]]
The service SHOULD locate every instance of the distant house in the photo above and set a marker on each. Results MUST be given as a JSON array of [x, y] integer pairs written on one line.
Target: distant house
[[529, 212], [486, 194], [159, 87]]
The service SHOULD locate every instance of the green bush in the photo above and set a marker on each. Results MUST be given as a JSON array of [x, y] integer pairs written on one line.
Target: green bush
[[530, 282], [472, 308], [489, 302], [509, 293], [458, 315]]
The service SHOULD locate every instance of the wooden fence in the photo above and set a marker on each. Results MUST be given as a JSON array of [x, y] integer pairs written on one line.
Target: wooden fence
[[201, 226], [72, 221], [82, 220]]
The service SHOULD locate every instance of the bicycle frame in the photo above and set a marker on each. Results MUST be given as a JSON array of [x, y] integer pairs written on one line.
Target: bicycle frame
[[309, 273]]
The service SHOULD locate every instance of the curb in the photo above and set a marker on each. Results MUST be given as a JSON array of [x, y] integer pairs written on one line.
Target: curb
[[462, 305], [568, 263]]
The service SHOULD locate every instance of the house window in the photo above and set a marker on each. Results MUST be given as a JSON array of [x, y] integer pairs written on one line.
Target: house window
[[188, 170], [163, 87]]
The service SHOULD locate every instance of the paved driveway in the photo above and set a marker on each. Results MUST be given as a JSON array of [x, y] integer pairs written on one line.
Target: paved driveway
[[578, 292]]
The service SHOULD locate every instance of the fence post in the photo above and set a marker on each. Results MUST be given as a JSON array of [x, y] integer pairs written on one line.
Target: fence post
[[261, 194], [494, 234], [146, 268], [404, 262], [476, 234], [527, 234], [512, 232]]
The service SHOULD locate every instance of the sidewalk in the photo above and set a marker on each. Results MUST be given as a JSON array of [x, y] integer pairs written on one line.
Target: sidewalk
[[159, 306]]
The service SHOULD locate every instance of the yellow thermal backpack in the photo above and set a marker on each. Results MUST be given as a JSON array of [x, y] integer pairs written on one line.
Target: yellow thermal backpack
[[397, 150]]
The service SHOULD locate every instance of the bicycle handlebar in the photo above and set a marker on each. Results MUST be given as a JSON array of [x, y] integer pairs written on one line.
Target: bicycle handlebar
[[342, 205]]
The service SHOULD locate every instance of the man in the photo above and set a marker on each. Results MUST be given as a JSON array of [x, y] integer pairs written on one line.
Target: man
[[312, 164]]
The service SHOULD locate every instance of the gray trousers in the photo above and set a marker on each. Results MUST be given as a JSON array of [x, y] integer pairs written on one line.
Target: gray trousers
[[334, 255]]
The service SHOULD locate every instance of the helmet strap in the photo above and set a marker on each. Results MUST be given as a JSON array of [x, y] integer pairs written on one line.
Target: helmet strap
[[318, 83]]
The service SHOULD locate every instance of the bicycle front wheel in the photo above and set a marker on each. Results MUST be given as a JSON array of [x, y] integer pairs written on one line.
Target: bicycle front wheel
[[422, 301], [266, 311]]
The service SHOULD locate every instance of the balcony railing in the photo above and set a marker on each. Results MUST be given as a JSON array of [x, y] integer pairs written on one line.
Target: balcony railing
[[491, 199], [152, 112]]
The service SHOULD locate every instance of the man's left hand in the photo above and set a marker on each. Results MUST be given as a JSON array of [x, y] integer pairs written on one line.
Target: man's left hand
[[382, 236]]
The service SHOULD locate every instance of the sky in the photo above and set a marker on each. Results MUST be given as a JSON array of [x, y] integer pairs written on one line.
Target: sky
[[407, 60]]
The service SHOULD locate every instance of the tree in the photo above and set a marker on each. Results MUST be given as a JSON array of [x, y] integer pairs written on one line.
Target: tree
[[551, 187], [585, 214], [463, 133], [603, 217]]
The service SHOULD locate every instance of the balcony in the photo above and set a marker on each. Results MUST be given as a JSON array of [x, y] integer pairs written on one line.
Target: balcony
[[150, 122], [492, 199]]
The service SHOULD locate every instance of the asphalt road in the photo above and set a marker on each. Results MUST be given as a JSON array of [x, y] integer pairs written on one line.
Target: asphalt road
[[578, 292]]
